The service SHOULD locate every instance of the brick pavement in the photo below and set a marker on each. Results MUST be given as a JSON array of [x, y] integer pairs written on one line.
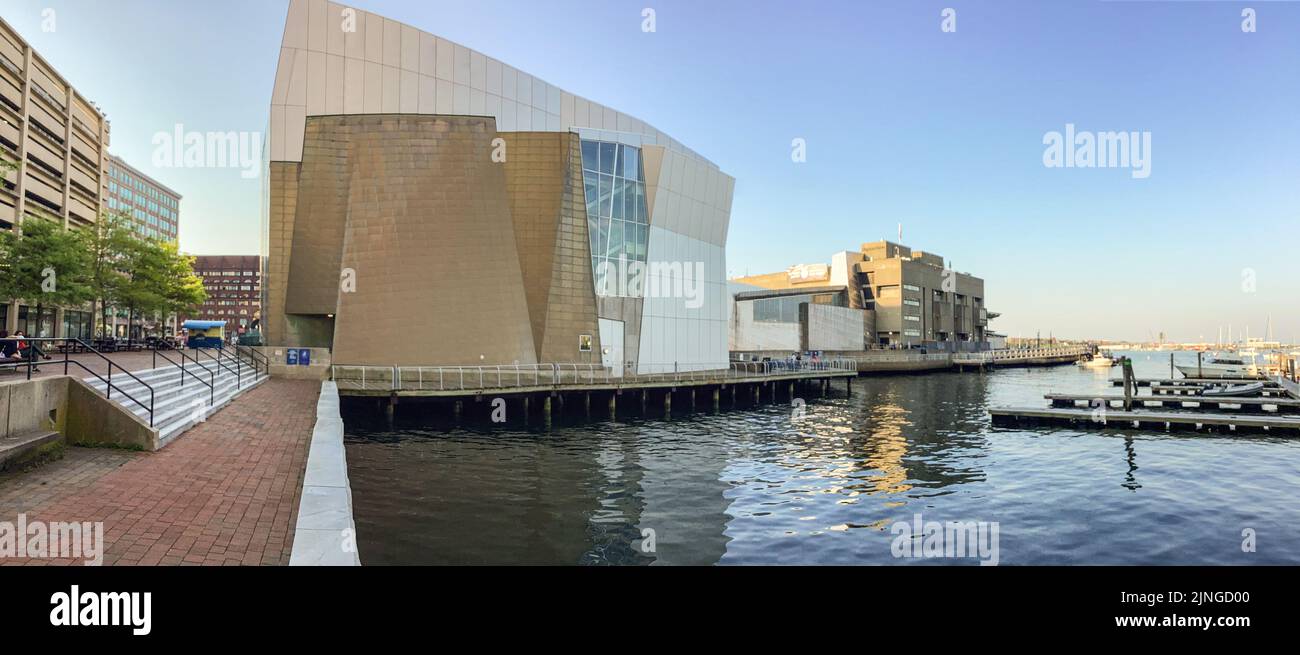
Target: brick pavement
[[224, 493]]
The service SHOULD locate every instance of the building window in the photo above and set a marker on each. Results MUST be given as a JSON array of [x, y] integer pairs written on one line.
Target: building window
[[911, 287], [618, 222], [29, 326]]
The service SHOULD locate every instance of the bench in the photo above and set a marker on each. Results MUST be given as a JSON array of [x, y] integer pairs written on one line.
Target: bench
[[13, 367]]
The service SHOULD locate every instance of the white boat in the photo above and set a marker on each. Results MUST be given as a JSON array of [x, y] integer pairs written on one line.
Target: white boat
[[1098, 361], [1223, 366], [1248, 390]]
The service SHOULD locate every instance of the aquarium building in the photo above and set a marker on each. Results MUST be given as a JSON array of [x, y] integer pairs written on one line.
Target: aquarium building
[[429, 205]]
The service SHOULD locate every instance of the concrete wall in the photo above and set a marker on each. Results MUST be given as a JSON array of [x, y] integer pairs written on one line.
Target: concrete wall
[[318, 370], [69, 406], [94, 420], [833, 328], [749, 335], [325, 534], [26, 406]]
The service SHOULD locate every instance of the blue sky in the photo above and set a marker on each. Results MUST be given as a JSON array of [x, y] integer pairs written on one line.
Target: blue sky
[[942, 132]]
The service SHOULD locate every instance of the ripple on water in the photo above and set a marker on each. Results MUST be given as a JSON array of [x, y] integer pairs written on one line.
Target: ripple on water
[[759, 487]]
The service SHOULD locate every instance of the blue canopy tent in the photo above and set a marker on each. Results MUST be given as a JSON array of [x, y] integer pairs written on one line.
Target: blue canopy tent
[[204, 334]]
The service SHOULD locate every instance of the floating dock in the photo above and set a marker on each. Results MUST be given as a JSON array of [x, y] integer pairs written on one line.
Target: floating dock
[[1164, 421], [1194, 382], [1280, 405]]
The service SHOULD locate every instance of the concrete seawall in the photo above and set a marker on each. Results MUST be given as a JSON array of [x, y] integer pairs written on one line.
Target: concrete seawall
[[325, 534]]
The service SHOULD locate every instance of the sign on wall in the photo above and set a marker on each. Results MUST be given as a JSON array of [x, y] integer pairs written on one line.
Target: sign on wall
[[809, 273]]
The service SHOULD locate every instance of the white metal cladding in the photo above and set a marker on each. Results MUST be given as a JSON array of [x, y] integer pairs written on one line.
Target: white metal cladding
[[384, 67]]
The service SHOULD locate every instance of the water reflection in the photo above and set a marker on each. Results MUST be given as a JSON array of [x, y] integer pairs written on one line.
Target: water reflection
[[769, 486]]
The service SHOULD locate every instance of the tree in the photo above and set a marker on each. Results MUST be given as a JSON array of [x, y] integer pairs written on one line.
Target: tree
[[160, 279], [108, 243], [46, 264], [182, 289]]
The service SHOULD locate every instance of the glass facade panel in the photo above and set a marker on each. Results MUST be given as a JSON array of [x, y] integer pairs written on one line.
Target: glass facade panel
[[607, 156], [590, 155], [614, 184], [619, 203]]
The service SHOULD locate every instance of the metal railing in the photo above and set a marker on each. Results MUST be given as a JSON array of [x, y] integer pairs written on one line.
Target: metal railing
[[520, 376], [257, 359], [210, 383], [30, 363], [220, 364]]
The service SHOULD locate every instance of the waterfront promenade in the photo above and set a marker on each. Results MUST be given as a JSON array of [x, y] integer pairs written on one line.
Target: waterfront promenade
[[225, 494]]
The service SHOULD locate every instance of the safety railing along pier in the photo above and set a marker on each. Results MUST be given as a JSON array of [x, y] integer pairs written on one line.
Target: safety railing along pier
[[524, 376]]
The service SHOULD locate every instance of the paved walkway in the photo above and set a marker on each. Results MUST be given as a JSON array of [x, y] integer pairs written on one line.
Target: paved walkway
[[226, 492]]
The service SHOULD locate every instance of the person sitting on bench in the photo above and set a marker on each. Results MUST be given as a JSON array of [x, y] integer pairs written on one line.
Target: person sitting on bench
[[9, 349], [29, 350]]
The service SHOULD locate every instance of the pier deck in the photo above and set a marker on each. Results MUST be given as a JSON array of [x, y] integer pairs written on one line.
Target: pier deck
[[1118, 419], [1019, 357], [1281, 405], [542, 386], [453, 382]]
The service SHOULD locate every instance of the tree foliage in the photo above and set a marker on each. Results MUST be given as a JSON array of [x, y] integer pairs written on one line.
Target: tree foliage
[[46, 265], [105, 263]]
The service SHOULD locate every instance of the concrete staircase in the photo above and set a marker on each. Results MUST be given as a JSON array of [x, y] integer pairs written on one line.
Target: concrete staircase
[[179, 407]]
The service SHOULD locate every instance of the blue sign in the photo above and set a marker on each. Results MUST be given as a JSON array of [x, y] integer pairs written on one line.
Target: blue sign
[[291, 357], [304, 357]]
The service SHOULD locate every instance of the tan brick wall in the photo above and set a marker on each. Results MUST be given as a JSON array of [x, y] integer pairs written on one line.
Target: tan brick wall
[[283, 206], [430, 237], [324, 190], [535, 174], [547, 204]]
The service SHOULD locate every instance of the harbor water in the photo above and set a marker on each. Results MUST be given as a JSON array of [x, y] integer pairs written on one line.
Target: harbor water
[[826, 483]]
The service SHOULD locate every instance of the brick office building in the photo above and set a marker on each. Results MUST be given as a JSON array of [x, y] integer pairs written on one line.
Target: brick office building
[[234, 286]]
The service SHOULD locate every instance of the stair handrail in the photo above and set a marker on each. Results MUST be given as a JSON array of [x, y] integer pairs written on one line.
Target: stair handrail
[[108, 382], [254, 355], [211, 384], [256, 359], [221, 364]]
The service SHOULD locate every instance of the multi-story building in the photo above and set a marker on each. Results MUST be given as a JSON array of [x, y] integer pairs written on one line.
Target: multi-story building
[[430, 205], [906, 298], [57, 139], [234, 286], [154, 209]]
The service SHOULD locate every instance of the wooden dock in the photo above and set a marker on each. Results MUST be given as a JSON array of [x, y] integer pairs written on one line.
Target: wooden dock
[[1145, 420], [465, 389], [1280, 405]]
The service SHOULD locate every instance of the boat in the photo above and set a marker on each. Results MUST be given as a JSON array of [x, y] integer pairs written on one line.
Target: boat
[[1235, 390], [1100, 360], [1219, 367]]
